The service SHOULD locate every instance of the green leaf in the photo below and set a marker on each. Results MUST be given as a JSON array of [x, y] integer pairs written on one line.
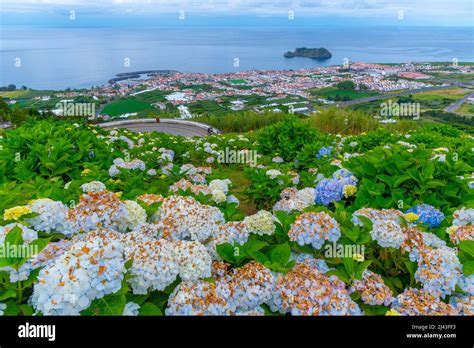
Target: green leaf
[[468, 268], [14, 237], [349, 265], [149, 309], [26, 309], [281, 254], [253, 245], [374, 310], [12, 308], [468, 247], [400, 180], [411, 267], [209, 280], [32, 277], [361, 267], [341, 274], [226, 252], [397, 282], [112, 304], [259, 257], [8, 294]]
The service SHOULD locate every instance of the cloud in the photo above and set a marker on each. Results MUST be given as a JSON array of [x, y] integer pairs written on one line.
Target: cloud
[[422, 9]]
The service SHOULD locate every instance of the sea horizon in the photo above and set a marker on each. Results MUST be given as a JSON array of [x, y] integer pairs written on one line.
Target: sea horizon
[[82, 57]]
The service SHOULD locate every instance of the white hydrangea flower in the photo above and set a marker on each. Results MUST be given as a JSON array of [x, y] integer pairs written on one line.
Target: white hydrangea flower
[[260, 223], [53, 217], [221, 185], [250, 286], [273, 173], [306, 195], [134, 218], [194, 260], [92, 268], [185, 218], [218, 196], [387, 233], [93, 186], [155, 266], [199, 298]]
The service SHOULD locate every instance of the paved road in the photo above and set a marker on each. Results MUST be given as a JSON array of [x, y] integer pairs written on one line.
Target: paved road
[[456, 105], [175, 127]]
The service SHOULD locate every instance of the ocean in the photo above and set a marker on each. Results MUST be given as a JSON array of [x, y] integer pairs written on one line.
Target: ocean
[[59, 57]]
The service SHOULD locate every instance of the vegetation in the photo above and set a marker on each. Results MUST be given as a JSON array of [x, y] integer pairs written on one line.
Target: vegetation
[[336, 94], [238, 122], [126, 106], [339, 161]]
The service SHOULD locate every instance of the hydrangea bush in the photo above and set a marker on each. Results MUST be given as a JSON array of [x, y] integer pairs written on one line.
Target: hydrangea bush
[[123, 223]]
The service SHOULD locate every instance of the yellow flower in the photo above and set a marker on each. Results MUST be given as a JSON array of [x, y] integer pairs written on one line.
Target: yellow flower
[[452, 229], [393, 313], [15, 212], [411, 217], [118, 194], [85, 172], [349, 190], [358, 257]]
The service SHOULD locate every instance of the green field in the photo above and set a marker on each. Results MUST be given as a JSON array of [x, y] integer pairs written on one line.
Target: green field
[[238, 82], [454, 77], [126, 106], [449, 93], [333, 93], [440, 98], [203, 107], [153, 96], [29, 93], [466, 110]]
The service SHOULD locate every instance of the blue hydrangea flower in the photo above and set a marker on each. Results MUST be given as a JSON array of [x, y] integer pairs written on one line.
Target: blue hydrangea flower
[[314, 229], [427, 214], [345, 176], [439, 271], [313, 262], [324, 152], [328, 191]]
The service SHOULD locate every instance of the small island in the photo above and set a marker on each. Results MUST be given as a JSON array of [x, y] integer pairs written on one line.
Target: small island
[[314, 53]]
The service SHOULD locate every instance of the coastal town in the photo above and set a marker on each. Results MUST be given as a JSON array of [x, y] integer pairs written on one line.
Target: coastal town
[[186, 95]]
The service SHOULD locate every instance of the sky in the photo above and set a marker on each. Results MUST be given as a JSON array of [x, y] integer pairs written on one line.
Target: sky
[[237, 12]]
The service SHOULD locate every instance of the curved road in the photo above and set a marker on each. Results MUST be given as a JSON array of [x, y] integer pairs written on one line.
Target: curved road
[[456, 105], [170, 126]]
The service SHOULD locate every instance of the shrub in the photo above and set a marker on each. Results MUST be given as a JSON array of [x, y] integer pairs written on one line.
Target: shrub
[[241, 122], [286, 138], [394, 175], [338, 121]]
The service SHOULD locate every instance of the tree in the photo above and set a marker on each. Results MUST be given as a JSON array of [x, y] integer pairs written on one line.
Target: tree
[[4, 106], [346, 85]]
